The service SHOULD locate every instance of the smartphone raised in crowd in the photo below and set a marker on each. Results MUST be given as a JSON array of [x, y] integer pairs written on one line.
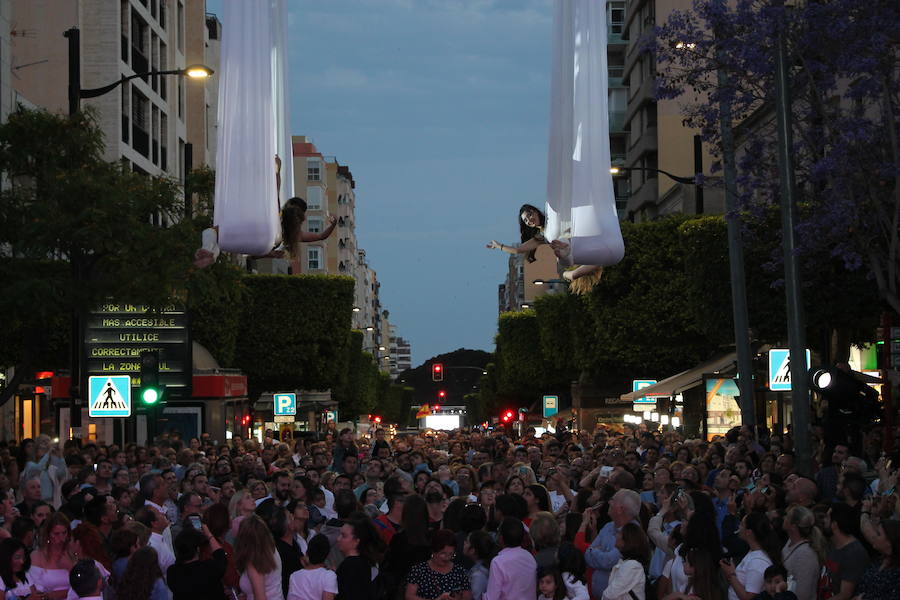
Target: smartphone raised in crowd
[[195, 522]]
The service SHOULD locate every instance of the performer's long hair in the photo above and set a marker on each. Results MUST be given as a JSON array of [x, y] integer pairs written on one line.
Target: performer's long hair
[[531, 232]]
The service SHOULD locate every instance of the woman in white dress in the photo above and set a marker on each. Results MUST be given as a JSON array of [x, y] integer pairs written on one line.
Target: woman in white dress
[[258, 561], [51, 562]]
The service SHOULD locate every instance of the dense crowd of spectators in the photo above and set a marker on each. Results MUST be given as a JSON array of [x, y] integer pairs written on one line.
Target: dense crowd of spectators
[[606, 515]]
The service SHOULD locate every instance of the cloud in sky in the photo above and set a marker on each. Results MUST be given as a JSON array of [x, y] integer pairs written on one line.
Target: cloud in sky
[[439, 108]]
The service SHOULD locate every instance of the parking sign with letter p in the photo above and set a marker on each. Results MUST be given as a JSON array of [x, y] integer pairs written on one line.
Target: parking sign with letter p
[[285, 404]]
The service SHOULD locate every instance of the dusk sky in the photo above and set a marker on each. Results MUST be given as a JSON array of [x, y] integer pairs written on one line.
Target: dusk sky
[[440, 109]]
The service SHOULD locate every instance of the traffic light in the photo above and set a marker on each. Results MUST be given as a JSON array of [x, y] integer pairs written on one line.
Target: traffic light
[[377, 420], [150, 392], [442, 394], [437, 372], [507, 416]]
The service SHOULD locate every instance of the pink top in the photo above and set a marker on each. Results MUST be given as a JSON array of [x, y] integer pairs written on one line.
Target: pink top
[[513, 575]]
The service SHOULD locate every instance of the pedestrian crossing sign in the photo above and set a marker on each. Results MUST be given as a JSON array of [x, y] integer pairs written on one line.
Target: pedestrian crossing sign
[[110, 396], [780, 369]]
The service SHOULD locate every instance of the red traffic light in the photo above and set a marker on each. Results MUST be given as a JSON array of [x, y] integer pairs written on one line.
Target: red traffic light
[[436, 407], [377, 419], [437, 372], [442, 394], [507, 416]]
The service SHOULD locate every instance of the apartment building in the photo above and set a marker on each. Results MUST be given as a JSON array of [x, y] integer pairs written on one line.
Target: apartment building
[[400, 353], [656, 138], [145, 120], [311, 184]]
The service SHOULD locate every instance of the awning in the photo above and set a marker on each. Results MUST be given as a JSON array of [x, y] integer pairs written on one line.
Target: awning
[[684, 380]]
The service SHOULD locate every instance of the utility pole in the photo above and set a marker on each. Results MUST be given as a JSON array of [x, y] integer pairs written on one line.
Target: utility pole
[[74, 37], [699, 207], [800, 405], [736, 257]]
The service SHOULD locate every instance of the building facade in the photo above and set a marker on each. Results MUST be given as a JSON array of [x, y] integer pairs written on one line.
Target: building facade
[[148, 122], [656, 136], [400, 353]]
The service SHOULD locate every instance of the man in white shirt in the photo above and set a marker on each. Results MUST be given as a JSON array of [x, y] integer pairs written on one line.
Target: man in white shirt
[[157, 523], [155, 493]]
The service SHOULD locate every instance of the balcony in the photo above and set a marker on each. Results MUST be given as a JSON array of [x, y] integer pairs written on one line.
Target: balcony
[[141, 141]]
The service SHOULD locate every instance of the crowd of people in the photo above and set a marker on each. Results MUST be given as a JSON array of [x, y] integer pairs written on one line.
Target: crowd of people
[[606, 515]]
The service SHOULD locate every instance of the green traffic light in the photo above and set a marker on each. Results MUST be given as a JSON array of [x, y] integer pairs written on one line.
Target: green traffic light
[[149, 395]]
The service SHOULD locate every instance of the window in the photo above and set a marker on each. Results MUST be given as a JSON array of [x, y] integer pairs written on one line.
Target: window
[[140, 123], [616, 17], [163, 65], [179, 26], [314, 198], [314, 258], [313, 169], [315, 224], [126, 122]]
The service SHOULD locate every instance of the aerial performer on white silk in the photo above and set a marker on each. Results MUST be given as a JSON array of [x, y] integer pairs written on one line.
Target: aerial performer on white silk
[[579, 221], [254, 130]]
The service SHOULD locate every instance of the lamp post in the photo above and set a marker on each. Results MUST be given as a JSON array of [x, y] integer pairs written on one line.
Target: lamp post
[[75, 94], [678, 178], [75, 91]]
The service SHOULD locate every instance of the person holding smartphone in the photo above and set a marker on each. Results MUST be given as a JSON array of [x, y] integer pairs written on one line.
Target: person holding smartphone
[[190, 577]]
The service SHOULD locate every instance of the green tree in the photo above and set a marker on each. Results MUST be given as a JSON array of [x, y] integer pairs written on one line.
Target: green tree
[[75, 231], [216, 297], [294, 331]]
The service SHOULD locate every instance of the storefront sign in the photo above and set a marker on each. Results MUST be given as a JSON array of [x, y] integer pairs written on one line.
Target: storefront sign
[[115, 335]]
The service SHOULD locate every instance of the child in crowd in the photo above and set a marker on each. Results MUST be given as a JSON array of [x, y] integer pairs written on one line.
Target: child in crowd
[[776, 585], [550, 585], [314, 581]]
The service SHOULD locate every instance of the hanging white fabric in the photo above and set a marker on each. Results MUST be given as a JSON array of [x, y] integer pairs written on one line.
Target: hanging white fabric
[[581, 205], [283, 144], [253, 127]]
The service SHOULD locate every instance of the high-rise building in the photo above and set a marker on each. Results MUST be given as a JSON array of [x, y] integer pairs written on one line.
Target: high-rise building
[[400, 353], [148, 122], [341, 248], [311, 183], [657, 139], [330, 190]]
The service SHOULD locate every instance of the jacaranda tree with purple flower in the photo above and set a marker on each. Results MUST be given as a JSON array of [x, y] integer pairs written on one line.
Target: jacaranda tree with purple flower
[[843, 63]]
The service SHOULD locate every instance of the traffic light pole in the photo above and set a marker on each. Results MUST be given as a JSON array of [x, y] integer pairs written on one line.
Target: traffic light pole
[[800, 405]]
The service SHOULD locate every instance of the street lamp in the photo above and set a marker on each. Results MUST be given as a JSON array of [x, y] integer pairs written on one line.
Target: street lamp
[[75, 91], [679, 179]]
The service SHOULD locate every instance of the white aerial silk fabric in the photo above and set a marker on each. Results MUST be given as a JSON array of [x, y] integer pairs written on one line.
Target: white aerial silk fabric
[[253, 127], [581, 204]]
